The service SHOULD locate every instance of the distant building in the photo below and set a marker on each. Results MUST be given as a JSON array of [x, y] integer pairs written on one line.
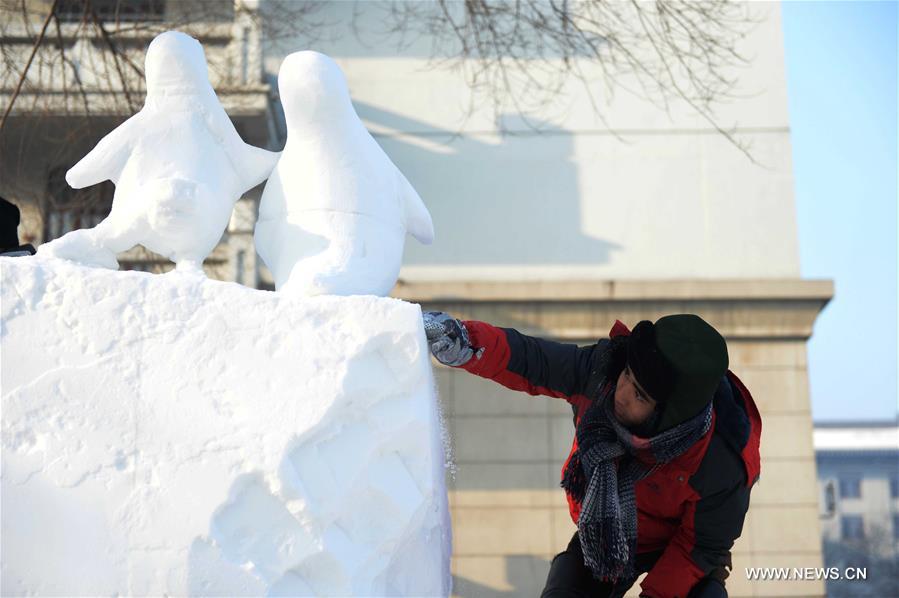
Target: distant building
[[858, 478]]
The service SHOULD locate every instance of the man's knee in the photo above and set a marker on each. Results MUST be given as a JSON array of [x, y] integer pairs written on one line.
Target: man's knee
[[708, 587], [569, 577], [566, 577]]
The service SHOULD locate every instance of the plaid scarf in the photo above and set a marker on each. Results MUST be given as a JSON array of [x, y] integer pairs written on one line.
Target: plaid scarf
[[601, 475]]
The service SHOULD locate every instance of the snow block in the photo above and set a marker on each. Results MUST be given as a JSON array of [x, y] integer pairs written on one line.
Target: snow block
[[176, 435]]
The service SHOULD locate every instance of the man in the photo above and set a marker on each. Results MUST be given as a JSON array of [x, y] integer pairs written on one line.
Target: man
[[665, 451]]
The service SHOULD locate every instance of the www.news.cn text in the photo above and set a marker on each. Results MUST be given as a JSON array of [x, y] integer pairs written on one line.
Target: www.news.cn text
[[805, 573]]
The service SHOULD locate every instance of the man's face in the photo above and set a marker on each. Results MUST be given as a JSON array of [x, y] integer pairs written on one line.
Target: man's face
[[632, 405]]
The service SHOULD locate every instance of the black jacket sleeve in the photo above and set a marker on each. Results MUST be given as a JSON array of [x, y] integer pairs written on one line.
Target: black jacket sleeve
[[533, 365], [561, 367]]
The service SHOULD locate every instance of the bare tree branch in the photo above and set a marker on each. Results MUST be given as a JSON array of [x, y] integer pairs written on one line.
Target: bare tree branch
[[37, 44], [523, 53], [519, 57]]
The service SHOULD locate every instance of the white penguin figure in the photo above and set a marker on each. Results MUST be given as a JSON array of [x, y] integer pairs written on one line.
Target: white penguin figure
[[178, 166], [334, 214]]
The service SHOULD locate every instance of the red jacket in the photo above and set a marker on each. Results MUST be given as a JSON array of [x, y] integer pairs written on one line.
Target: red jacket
[[691, 509]]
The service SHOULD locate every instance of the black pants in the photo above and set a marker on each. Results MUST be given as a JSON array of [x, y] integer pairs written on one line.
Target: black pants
[[569, 577]]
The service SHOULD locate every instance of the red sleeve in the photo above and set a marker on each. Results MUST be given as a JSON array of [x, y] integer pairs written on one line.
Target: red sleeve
[[492, 340]]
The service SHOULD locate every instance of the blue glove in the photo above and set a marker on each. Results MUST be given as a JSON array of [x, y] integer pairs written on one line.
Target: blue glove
[[448, 339]]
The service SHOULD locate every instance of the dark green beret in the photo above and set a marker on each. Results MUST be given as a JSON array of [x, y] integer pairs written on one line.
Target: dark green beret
[[679, 361]]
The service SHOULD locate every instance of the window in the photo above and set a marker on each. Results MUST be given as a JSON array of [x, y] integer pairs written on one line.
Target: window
[[830, 499], [853, 527], [75, 11], [894, 486], [850, 487], [896, 527]]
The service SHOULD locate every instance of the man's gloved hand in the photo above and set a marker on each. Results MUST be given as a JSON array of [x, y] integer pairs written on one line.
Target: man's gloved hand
[[448, 339]]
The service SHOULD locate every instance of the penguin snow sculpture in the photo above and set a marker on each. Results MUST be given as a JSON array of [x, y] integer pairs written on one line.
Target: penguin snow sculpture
[[335, 212], [178, 166]]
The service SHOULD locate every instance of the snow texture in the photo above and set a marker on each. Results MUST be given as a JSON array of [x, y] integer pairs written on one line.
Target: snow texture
[[178, 166], [173, 435], [334, 214]]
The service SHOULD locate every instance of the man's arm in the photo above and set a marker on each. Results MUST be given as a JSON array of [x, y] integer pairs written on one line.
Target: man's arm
[[532, 365], [707, 531]]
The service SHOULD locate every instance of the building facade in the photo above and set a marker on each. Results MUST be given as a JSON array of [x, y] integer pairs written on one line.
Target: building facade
[[858, 481], [858, 484], [85, 78], [557, 225]]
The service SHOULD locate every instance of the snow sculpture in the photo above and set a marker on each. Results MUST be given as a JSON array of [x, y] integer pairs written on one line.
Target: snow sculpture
[[226, 443], [335, 211], [178, 166]]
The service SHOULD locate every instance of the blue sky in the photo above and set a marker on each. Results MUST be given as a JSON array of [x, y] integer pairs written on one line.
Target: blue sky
[[841, 81]]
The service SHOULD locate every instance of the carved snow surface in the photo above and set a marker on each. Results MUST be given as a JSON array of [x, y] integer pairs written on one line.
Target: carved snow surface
[[335, 212], [178, 166], [173, 435]]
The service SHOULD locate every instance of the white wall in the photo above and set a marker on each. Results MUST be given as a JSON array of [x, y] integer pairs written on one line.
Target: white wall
[[671, 199]]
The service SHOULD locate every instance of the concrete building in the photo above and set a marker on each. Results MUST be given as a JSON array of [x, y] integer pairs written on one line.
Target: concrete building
[[560, 229]]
